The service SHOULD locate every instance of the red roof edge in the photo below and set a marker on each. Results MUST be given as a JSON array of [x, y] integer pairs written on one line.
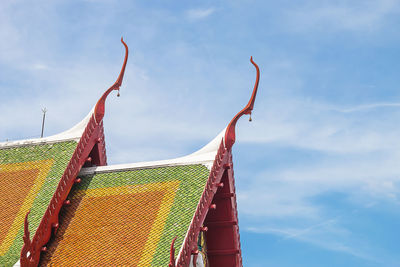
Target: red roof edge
[[230, 131], [216, 213], [222, 237], [189, 246], [90, 150]]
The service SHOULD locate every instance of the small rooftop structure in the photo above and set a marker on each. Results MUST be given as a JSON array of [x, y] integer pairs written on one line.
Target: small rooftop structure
[[61, 205]]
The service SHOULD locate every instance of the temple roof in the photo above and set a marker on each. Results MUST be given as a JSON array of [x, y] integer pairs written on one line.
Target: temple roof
[[144, 204], [83, 212]]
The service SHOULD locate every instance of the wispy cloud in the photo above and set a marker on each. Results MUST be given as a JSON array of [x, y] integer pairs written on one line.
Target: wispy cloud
[[347, 15], [327, 234], [39, 66], [199, 13], [356, 156], [367, 107], [325, 127]]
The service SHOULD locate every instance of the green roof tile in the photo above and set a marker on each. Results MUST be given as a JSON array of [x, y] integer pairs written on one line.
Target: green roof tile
[[127, 217], [29, 176]]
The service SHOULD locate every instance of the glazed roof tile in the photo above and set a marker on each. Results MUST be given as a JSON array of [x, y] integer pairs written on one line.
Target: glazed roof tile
[[30, 171], [29, 175], [127, 217]]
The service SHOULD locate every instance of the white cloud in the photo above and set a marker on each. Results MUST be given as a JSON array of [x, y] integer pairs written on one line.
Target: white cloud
[[199, 13], [357, 154], [366, 107], [39, 66], [347, 15], [327, 234], [324, 127]]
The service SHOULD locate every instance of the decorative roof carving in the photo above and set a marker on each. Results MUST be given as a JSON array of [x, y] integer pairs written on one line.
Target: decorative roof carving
[[100, 106], [230, 131]]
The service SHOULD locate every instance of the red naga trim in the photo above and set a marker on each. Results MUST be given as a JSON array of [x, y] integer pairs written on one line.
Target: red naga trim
[[230, 131], [100, 106], [223, 238], [26, 238], [223, 246], [214, 179], [172, 253], [92, 136], [217, 210]]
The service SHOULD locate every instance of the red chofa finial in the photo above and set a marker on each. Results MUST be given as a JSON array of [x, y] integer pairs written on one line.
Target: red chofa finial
[[230, 131], [172, 253], [99, 109]]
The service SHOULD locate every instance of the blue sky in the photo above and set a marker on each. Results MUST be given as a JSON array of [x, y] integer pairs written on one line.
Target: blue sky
[[317, 171]]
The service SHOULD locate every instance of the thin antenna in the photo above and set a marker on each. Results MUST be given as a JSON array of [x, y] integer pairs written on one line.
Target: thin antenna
[[44, 110]]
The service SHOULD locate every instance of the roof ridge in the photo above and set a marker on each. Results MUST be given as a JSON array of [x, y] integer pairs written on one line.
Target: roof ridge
[[204, 155]]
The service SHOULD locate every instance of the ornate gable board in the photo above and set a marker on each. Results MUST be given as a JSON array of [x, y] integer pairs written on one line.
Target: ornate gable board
[[222, 237], [216, 213], [190, 244], [90, 148]]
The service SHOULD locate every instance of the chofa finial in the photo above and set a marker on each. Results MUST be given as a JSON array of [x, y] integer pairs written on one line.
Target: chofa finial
[[100, 106], [230, 131]]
